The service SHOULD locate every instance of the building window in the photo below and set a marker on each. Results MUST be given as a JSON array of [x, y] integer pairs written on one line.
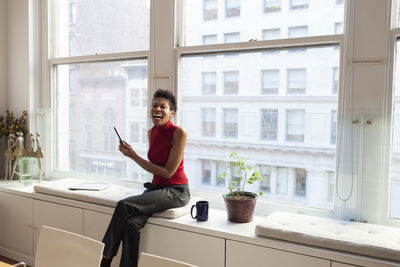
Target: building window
[[88, 132], [297, 31], [339, 2], [209, 39], [209, 81], [269, 124], [333, 126], [109, 117], [270, 81], [206, 172], [232, 8], [134, 132], [265, 173], [271, 34], [134, 97], [109, 139], [210, 9], [221, 168], [231, 82], [208, 121], [72, 13], [230, 122], [298, 4], [295, 124], [335, 80], [272, 6], [282, 180], [338, 27], [232, 37], [296, 81], [301, 182]]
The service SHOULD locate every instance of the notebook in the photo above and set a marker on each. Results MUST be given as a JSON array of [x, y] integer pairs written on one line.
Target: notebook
[[89, 186]]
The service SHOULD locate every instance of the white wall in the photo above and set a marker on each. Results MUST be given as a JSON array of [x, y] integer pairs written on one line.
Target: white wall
[[3, 58]]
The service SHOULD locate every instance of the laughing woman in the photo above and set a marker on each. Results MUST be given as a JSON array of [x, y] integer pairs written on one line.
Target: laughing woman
[[168, 189]]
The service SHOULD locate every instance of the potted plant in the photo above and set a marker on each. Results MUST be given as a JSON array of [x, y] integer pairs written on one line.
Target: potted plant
[[239, 203]]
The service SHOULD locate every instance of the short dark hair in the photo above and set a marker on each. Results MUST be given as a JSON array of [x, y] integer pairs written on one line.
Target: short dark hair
[[168, 95]]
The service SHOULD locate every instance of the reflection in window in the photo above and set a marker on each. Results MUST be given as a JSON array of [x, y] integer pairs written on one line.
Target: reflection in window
[[209, 80], [209, 39], [296, 81], [272, 6], [210, 9], [301, 182], [282, 180], [231, 122], [295, 125], [208, 122], [270, 81], [206, 172], [231, 82], [298, 4], [269, 124], [232, 37], [333, 126], [232, 8]]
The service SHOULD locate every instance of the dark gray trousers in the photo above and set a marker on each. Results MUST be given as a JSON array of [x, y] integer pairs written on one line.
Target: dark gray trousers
[[131, 214]]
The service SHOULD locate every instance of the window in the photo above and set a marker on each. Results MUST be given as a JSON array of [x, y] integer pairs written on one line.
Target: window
[[338, 27], [282, 180], [208, 122], [298, 31], [209, 83], [295, 125], [231, 82], [101, 67], [221, 168], [206, 172], [298, 4], [271, 34], [209, 39], [339, 2], [265, 173], [135, 132], [296, 81], [270, 81], [232, 8], [301, 182], [335, 80], [333, 126], [272, 6], [233, 37], [230, 122], [210, 9], [269, 124]]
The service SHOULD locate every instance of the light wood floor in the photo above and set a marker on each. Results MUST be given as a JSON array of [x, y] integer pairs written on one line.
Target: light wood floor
[[4, 259]]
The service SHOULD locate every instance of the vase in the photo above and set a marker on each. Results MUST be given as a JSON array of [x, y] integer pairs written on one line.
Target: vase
[[25, 170], [240, 210]]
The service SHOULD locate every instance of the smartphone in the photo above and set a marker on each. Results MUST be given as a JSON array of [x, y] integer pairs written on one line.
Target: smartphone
[[120, 139]]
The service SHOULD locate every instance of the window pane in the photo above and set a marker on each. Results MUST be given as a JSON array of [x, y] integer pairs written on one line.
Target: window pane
[[296, 81], [201, 18], [85, 28], [233, 37], [264, 128], [231, 82], [270, 81], [209, 80], [100, 89]]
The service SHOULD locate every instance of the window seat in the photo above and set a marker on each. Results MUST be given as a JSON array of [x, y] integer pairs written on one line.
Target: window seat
[[107, 197], [361, 238]]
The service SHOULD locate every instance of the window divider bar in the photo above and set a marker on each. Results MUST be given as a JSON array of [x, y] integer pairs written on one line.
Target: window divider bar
[[100, 57], [258, 45]]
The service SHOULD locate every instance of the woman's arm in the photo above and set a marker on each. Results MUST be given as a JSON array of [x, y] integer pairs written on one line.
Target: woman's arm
[[174, 158]]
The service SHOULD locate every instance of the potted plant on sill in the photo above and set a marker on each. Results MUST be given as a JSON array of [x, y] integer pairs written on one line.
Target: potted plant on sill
[[240, 204]]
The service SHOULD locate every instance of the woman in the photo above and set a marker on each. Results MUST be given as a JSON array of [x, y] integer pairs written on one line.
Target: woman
[[168, 189]]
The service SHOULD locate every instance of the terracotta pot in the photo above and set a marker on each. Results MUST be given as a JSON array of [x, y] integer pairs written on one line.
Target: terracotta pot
[[240, 210]]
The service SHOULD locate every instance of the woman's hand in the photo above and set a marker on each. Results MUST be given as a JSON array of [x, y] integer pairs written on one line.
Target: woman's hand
[[126, 149]]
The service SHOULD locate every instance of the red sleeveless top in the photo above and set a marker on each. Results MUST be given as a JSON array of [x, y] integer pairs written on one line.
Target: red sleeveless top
[[160, 146]]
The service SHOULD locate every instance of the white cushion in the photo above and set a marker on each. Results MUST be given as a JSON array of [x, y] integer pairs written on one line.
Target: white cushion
[[107, 197], [360, 238]]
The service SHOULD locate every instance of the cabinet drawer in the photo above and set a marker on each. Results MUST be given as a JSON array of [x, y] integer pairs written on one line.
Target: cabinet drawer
[[241, 254], [196, 249]]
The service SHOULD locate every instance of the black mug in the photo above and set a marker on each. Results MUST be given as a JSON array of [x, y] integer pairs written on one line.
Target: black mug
[[201, 211]]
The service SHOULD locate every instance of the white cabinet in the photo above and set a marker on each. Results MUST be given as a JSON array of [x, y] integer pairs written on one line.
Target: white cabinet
[[95, 225], [241, 254], [197, 249], [16, 223], [58, 216]]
